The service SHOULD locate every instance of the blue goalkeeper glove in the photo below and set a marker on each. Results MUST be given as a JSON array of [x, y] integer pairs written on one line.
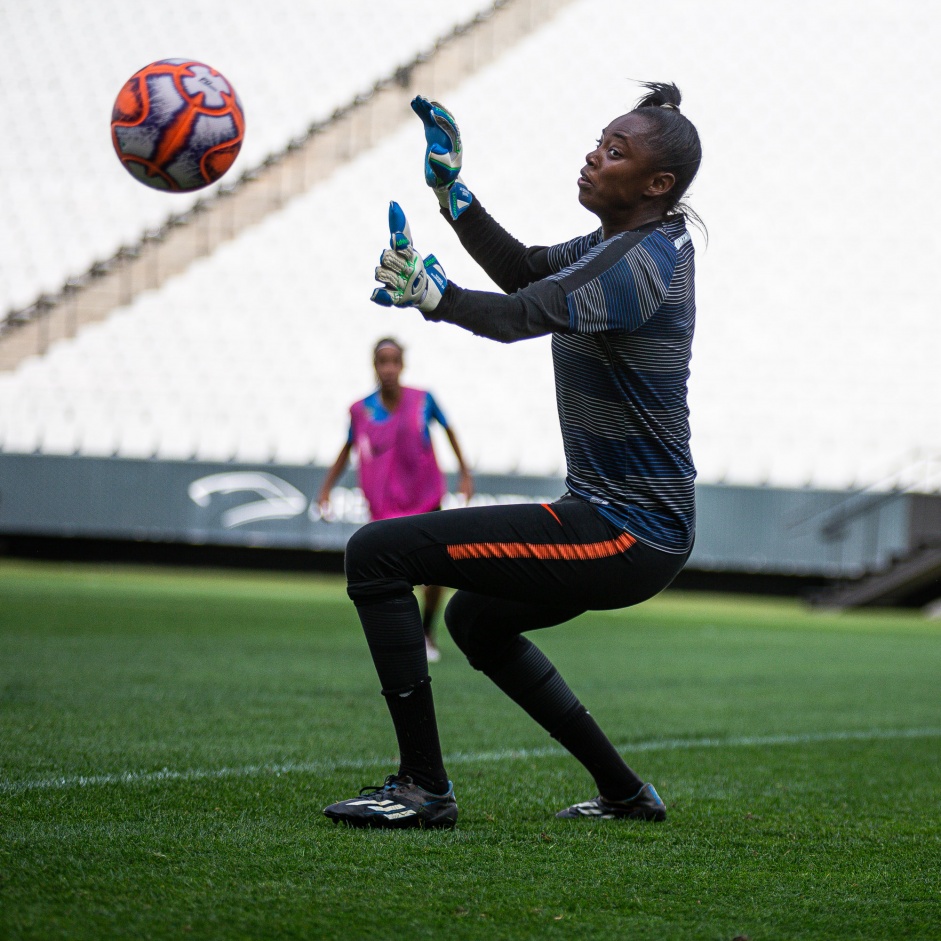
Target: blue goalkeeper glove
[[410, 281], [443, 156]]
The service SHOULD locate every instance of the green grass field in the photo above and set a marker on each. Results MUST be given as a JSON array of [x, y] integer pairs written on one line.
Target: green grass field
[[168, 740]]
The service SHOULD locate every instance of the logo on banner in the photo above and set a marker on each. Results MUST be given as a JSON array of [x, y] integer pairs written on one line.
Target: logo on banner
[[269, 497], [277, 499]]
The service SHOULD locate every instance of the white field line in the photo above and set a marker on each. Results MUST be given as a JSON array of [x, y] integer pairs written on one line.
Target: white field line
[[468, 758]]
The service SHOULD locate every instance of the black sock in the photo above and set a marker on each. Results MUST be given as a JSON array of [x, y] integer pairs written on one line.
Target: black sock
[[582, 736], [413, 715], [528, 677], [396, 641]]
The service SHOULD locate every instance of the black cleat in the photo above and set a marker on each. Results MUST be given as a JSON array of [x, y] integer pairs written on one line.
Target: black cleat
[[397, 804], [644, 805]]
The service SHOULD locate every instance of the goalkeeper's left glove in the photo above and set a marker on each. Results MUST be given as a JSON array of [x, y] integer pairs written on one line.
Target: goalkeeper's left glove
[[444, 155], [410, 281]]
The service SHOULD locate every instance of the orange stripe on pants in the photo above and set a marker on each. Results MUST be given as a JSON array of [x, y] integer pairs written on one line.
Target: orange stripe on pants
[[531, 550]]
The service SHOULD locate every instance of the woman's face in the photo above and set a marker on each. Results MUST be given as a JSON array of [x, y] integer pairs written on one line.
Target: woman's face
[[619, 181], [389, 366]]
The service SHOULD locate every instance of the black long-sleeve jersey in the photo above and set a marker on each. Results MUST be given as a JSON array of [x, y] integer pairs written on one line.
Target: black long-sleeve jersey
[[621, 313]]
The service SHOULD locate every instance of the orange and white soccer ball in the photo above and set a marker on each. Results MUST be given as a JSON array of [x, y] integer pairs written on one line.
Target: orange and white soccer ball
[[177, 125]]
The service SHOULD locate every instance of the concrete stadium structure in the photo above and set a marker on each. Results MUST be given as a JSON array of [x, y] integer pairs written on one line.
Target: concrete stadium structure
[[241, 331]]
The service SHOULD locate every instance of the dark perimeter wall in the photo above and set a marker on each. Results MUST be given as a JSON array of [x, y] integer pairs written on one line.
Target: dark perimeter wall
[[752, 530]]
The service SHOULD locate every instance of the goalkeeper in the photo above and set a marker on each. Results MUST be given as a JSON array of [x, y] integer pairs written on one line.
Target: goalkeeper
[[619, 304]]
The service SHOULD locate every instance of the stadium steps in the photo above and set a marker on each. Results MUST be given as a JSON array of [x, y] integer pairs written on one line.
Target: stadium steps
[[913, 579], [170, 250]]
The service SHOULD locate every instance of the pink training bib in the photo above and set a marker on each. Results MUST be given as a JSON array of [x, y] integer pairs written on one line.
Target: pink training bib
[[398, 472]]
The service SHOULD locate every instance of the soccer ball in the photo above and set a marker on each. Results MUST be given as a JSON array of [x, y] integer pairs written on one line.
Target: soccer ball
[[177, 125]]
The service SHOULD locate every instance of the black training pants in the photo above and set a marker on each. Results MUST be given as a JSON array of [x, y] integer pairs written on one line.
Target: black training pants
[[516, 568]]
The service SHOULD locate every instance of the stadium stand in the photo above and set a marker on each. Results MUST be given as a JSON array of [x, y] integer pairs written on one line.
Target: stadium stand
[[58, 186], [815, 363]]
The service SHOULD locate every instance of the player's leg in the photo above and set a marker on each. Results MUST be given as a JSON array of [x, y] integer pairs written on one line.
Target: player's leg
[[433, 595], [562, 555], [380, 583], [489, 632], [385, 559], [419, 794]]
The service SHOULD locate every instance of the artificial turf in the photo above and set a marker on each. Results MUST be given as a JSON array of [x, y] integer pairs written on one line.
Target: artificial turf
[[168, 739]]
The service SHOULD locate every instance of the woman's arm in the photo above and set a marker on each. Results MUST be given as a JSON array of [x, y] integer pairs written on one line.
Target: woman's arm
[[510, 264], [333, 475], [615, 287], [466, 485], [532, 312]]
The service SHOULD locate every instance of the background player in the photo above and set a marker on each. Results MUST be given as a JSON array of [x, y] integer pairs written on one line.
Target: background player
[[620, 306], [398, 473]]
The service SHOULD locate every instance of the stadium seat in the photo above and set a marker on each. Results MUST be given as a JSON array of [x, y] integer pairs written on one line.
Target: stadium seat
[[806, 369], [61, 188]]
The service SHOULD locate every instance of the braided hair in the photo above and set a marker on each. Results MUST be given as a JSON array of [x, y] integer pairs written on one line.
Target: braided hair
[[673, 141]]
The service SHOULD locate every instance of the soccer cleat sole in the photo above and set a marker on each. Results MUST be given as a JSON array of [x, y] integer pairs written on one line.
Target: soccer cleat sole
[[380, 822], [646, 806], [397, 805]]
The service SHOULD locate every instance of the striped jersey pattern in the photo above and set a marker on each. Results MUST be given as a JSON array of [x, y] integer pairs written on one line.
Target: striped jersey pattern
[[621, 373]]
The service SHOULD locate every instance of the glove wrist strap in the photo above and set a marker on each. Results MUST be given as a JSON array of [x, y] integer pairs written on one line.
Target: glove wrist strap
[[455, 198]]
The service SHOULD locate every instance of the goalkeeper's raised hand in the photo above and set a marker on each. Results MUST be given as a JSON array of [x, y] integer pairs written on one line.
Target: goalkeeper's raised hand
[[409, 280], [443, 155]]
